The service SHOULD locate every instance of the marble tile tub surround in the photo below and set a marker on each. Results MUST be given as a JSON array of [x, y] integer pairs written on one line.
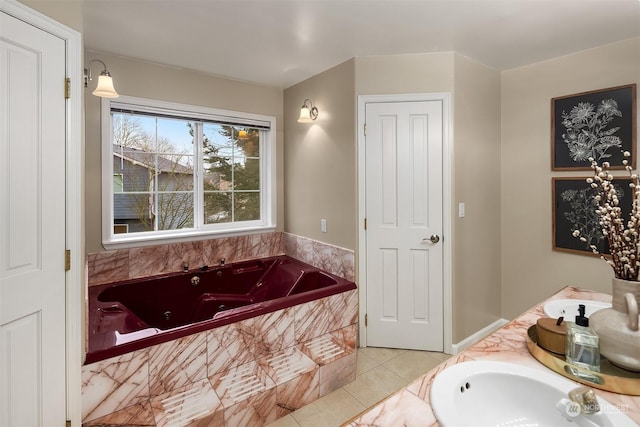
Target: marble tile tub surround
[[124, 264], [130, 387], [507, 344], [334, 259]]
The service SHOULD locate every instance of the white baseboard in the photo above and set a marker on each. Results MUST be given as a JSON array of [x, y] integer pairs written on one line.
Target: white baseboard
[[474, 338]]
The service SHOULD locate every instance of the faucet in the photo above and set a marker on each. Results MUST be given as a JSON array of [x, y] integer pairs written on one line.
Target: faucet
[[582, 408], [586, 398]]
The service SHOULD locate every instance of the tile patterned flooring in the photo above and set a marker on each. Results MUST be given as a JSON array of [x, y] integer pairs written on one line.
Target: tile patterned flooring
[[380, 372]]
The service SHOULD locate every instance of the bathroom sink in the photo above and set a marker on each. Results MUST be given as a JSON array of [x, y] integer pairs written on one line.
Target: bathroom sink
[[490, 393], [568, 308]]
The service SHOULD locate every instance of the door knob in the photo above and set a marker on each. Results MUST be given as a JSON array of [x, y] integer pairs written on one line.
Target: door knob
[[434, 238]]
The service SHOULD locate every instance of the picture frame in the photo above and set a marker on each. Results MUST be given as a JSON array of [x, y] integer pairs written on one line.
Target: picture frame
[[574, 208], [599, 124]]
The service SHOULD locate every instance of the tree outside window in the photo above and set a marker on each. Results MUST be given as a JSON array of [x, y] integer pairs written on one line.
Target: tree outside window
[[154, 164]]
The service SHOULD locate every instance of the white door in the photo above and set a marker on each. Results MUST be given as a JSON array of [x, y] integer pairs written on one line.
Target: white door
[[32, 226], [404, 196]]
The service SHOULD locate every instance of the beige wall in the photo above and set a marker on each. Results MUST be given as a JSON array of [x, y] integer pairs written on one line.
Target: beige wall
[[531, 270], [475, 93], [394, 74], [476, 183], [403, 74], [146, 80], [68, 13], [320, 159]]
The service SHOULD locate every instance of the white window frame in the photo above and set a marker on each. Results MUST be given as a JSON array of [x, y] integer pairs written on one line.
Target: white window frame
[[268, 202]]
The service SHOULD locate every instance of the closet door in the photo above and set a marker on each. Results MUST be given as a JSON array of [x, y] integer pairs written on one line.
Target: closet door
[[32, 225], [404, 192]]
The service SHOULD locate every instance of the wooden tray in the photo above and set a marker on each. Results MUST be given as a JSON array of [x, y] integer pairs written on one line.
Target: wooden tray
[[610, 377]]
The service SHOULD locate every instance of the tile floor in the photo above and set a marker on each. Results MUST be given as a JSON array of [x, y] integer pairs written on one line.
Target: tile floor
[[380, 372]]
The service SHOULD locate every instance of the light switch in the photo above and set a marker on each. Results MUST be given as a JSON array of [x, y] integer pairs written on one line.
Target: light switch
[[460, 210], [323, 225]]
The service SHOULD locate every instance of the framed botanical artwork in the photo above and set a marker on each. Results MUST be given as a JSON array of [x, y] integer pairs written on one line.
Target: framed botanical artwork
[[599, 124], [575, 209]]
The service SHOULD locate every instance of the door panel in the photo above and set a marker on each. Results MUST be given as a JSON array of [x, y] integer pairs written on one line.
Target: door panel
[[389, 284], [32, 225], [403, 209], [388, 131], [420, 265]]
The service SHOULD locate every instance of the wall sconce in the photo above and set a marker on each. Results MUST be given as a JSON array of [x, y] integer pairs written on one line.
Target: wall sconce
[[308, 113], [105, 87]]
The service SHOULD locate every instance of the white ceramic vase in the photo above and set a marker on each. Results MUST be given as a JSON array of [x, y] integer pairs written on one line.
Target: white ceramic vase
[[617, 327]]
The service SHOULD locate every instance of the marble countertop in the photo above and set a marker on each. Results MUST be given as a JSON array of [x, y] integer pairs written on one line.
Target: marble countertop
[[410, 406]]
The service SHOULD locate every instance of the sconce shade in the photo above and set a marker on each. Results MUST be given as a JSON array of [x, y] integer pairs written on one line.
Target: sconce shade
[[105, 87], [308, 113], [305, 115]]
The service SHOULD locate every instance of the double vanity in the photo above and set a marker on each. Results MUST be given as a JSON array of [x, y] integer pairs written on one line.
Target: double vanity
[[502, 383]]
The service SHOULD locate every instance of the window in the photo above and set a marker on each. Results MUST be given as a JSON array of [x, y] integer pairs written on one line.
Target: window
[[173, 172], [118, 186]]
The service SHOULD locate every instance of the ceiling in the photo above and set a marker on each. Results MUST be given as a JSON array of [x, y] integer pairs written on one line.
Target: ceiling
[[282, 42]]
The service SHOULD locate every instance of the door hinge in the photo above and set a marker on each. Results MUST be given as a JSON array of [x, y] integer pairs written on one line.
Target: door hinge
[[67, 260], [68, 423], [365, 129], [366, 318], [365, 223], [67, 88]]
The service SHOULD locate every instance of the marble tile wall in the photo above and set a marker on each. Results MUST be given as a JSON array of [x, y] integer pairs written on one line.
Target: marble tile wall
[[197, 398], [123, 264], [129, 389], [137, 388], [334, 259], [296, 377], [111, 385], [177, 363], [247, 393]]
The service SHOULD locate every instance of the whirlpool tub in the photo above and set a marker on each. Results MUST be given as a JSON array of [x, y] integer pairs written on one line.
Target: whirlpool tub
[[134, 314]]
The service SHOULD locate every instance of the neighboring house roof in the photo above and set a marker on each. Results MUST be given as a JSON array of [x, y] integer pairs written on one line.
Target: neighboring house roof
[[150, 160]]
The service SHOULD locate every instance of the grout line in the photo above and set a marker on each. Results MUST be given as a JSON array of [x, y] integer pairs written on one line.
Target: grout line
[[360, 354], [394, 391], [400, 352], [356, 399], [402, 380]]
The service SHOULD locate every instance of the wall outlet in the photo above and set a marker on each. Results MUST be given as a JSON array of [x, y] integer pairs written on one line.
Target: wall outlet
[[323, 225]]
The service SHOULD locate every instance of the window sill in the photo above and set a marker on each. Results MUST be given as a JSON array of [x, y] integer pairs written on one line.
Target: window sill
[[129, 242]]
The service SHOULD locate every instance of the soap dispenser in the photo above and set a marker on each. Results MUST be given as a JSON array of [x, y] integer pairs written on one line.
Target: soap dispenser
[[582, 345]]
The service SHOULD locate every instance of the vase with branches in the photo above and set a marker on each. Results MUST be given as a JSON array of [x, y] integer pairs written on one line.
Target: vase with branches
[[617, 327], [622, 234]]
